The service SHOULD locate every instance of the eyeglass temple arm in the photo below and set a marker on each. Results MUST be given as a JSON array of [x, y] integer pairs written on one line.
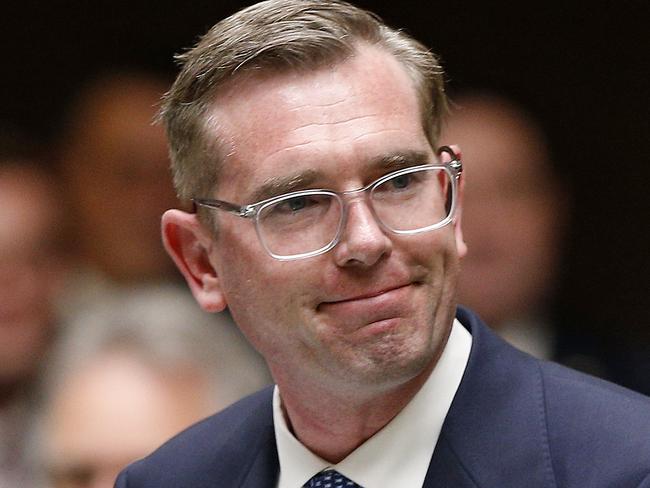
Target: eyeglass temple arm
[[455, 163], [220, 205]]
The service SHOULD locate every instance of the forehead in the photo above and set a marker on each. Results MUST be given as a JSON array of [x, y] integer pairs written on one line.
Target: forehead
[[353, 111]]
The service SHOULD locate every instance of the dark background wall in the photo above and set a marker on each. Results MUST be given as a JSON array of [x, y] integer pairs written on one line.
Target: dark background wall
[[582, 67]]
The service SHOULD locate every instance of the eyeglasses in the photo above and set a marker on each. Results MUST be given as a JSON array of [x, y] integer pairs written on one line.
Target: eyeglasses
[[306, 223]]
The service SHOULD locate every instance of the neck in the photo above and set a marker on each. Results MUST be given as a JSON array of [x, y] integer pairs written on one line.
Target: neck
[[332, 425]]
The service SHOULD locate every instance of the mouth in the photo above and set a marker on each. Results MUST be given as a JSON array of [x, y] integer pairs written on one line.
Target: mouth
[[380, 305], [365, 295]]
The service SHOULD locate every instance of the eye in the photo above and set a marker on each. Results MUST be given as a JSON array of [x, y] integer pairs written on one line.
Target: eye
[[295, 204], [298, 208], [401, 182], [298, 204]]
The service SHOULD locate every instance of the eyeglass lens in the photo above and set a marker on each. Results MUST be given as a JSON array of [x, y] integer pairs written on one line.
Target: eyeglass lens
[[307, 223]]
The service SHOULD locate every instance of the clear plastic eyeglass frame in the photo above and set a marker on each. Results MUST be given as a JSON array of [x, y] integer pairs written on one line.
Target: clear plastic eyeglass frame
[[454, 169]]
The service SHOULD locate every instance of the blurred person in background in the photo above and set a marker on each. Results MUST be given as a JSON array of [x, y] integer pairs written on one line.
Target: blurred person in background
[[115, 166], [128, 375], [514, 215], [31, 274], [514, 219], [114, 162]]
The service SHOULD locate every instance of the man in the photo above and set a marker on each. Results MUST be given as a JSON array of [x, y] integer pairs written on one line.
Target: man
[[514, 214], [114, 163], [349, 292], [31, 274], [124, 378]]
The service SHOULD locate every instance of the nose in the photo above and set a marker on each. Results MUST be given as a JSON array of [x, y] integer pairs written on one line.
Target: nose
[[363, 242]]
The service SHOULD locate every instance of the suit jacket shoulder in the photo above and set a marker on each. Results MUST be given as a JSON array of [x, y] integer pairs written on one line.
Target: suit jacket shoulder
[[515, 421], [518, 421], [600, 427], [234, 448]]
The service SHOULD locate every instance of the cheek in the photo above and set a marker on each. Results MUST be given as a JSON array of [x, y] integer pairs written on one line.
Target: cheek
[[262, 293], [435, 250]]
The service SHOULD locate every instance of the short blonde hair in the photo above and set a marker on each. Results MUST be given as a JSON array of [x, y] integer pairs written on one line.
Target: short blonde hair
[[279, 36]]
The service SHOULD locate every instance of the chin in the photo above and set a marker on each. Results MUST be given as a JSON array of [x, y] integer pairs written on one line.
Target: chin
[[394, 365]]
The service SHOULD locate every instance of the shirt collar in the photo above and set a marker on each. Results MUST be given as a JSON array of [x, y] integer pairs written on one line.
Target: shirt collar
[[382, 460]]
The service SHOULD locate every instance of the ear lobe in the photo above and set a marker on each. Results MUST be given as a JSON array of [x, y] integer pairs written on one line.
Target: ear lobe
[[461, 246], [188, 244]]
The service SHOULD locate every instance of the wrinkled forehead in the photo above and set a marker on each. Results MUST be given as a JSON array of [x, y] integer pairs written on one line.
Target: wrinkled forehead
[[341, 101]]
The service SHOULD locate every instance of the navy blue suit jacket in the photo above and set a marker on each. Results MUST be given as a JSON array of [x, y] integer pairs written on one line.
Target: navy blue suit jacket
[[514, 422]]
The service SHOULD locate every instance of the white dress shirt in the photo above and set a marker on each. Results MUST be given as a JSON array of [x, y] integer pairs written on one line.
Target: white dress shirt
[[400, 453]]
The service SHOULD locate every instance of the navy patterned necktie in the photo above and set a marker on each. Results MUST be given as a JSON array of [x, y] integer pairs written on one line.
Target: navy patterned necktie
[[330, 479]]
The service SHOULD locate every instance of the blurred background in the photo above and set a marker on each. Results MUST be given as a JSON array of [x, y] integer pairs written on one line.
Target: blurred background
[[78, 83], [582, 68]]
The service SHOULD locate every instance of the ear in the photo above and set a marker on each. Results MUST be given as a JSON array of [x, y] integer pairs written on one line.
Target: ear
[[461, 246], [189, 244]]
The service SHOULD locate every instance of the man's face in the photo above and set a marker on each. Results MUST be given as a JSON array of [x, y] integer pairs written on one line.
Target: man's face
[[377, 309]]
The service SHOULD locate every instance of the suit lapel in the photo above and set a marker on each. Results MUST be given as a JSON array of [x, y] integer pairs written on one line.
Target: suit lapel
[[446, 470], [264, 468], [253, 462], [495, 431]]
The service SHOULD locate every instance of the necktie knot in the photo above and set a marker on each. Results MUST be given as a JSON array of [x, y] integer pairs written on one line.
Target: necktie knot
[[330, 479]]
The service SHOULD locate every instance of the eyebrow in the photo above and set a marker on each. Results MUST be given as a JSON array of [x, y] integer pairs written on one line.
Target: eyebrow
[[401, 159], [279, 185]]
